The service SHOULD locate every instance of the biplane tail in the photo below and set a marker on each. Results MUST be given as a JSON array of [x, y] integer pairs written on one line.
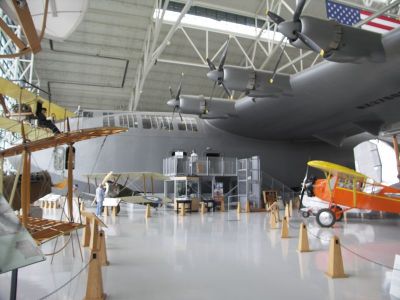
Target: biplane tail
[[60, 185]]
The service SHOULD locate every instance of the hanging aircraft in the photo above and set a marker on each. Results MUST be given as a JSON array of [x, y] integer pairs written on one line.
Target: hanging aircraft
[[353, 91], [345, 189]]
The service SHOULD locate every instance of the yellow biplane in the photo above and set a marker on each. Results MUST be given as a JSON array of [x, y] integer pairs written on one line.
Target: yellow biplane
[[23, 114], [24, 96], [344, 189]]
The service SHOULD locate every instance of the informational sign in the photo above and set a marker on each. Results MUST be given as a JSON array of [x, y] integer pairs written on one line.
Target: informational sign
[[17, 247], [218, 189], [111, 201], [179, 154]]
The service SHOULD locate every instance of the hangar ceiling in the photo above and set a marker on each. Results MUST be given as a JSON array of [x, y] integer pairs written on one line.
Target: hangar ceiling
[[104, 64]]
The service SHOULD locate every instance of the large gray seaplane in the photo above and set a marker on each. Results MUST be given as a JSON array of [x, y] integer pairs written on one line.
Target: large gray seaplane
[[319, 113]]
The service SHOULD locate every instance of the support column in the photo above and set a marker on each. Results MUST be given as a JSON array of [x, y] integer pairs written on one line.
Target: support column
[[396, 151], [70, 181], [14, 282], [1, 174], [25, 186], [28, 186]]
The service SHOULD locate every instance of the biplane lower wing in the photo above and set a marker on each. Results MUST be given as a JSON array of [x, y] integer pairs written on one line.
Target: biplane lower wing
[[43, 230], [141, 199]]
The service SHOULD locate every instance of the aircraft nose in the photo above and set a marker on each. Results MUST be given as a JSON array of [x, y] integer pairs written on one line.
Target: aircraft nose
[[214, 75], [172, 102]]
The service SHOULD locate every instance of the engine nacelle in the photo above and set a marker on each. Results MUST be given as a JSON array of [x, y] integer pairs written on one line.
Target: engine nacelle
[[239, 78], [254, 83], [198, 105], [342, 43]]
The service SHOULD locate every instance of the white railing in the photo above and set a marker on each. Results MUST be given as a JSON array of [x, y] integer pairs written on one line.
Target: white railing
[[202, 166]]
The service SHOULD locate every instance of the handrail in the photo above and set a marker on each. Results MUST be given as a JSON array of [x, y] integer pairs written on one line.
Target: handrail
[[286, 193], [230, 191]]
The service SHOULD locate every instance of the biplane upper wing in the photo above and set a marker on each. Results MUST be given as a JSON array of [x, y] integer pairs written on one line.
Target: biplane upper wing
[[31, 133], [131, 175], [335, 169], [18, 93]]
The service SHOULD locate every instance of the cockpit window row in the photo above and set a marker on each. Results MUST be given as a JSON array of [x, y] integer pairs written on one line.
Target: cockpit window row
[[150, 122]]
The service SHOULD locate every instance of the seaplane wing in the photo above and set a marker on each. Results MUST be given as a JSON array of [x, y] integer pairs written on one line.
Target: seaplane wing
[[329, 101], [22, 95], [31, 133]]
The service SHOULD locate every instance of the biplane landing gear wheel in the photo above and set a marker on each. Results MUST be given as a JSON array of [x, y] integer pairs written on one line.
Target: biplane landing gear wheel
[[325, 217], [338, 212], [305, 214], [118, 209]]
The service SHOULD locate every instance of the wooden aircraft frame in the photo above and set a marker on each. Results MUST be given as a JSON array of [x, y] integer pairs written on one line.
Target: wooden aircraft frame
[[47, 229]]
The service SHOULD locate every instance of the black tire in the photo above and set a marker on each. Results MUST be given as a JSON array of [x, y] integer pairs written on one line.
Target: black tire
[[326, 218], [337, 207], [305, 214]]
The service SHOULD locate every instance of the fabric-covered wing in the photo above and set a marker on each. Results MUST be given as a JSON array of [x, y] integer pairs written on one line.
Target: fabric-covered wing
[[32, 133], [14, 91]]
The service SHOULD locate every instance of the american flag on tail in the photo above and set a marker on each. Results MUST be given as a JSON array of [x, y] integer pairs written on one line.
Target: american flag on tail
[[350, 15]]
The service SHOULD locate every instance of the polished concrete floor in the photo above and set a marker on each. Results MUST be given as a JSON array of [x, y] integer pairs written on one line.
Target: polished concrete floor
[[221, 256]]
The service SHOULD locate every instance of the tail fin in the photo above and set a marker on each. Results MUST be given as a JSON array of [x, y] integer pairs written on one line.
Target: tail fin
[[60, 185]]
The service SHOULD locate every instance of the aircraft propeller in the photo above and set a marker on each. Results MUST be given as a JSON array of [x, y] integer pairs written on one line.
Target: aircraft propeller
[[292, 29], [217, 75], [175, 101], [303, 189]]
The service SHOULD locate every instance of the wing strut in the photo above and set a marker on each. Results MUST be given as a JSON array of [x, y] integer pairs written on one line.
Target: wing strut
[[396, 151]]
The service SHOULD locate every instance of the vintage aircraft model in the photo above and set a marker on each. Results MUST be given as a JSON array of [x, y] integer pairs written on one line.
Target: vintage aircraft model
[[117, 187], [20, 121], [345, 189], [41, 230]]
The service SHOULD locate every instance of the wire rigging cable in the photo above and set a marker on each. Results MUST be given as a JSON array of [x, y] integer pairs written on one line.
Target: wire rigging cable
[[98, 153], [348, 249]]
